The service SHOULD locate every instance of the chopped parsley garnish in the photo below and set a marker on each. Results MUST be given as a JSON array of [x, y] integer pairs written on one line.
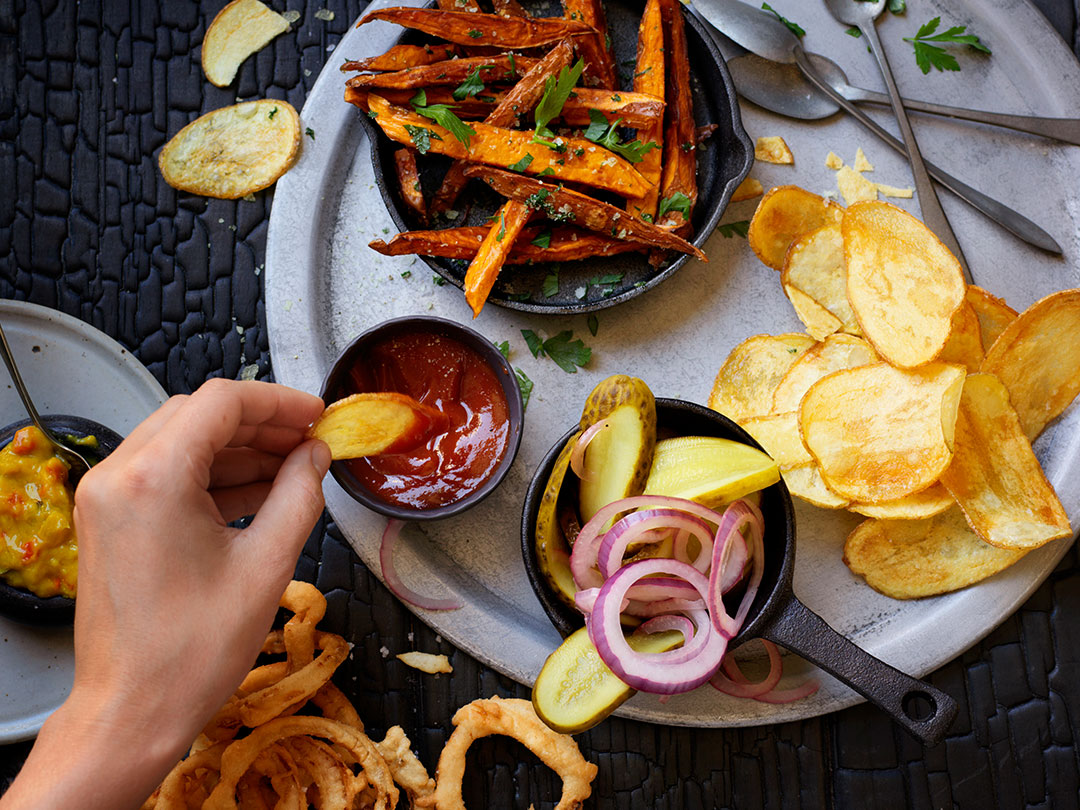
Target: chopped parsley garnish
[[372, 114], [540, 202], [556, 92], [543, 240], [421, 137], [525, 385], [594, 324], [272, 113], [438, 280], [897, 6], [546, 172], [470, 87], [853, 32], [730, 229], [502, 227], [601, 132], [533, 341], [406, 273], [551, 285], [568, 353], [676, 202], [476, 34], [795, 28], [443, 115], [522, 164], [579, 151], [311, 133], [513, 64], [928, 55], [504, 348]]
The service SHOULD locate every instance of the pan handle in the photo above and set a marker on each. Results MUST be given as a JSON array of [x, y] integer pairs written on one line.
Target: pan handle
[[926, 712]]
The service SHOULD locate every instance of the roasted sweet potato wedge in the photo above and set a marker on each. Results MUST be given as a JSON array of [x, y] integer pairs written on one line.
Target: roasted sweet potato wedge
[[470, 28], [450, 72], [403, 56], [680, 138], [493, 251], [563, 243], [508, 8], [600, 68], [409, 183], [649, 78]]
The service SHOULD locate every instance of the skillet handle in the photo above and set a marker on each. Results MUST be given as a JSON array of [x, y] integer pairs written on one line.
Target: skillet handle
[[906, 699]]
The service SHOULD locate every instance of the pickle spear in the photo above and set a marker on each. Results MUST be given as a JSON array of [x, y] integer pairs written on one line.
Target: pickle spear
[[709, 470]]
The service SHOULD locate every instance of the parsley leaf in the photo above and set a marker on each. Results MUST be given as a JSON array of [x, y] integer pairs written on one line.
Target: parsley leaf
[[421, 137], [567, 353], [470, 87], [532, 340], [795, 28], [932, 56], [853, 32], [600, 132], [548, 172], [594, 324], [443, 115], [504, 348], [438, 281], [475, 34], [272, 113], [522, 164], [551, 285], [310, 133], [502, 227], [543, 240], [420, 99], [556, 92], [525, 385], [676, 202], [897, 6], [730, 229]]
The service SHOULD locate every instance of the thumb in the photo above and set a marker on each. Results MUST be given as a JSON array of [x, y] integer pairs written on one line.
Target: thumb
[[294, 503]]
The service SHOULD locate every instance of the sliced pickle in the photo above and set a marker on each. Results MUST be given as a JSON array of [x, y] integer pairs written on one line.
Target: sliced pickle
[[709, 470], [552, 549]]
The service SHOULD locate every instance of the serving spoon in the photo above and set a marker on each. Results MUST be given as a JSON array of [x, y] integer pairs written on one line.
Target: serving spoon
[[78, 463]]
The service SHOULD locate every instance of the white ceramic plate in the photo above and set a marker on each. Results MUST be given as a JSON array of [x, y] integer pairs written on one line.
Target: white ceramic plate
[[69, 367], [324, 286]]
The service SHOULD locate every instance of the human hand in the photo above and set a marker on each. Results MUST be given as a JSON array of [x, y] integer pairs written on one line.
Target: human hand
[[173, 603]]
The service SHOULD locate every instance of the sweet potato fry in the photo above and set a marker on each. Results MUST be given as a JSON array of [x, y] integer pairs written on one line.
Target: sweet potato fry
[[470, 28], [562, 204], [565, 243], [450, 72], [493, 251], [509, 8], [403, 56], [680, 141], [409, 183], [600, 68], [517, 103], [582, 162], [649, 78], [459, 5]]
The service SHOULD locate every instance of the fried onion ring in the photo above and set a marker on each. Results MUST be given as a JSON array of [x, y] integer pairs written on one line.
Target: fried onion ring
[[405, 768]]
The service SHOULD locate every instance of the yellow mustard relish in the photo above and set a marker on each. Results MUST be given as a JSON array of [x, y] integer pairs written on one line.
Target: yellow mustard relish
[[38, 549]]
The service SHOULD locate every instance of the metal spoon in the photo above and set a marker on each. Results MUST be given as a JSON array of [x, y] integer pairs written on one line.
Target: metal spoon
[[78, 463], [784, 90]]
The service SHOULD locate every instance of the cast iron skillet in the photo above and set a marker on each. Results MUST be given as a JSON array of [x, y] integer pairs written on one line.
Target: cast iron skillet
[[776, 614], [20, 604], [722, 164]]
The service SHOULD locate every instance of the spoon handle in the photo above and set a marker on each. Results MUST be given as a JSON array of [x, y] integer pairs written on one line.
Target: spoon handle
[[20, 386], [1009, 219], [1066, 130]]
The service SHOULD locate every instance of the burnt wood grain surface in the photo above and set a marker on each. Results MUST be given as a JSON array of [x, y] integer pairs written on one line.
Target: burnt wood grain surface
[[89, 92]]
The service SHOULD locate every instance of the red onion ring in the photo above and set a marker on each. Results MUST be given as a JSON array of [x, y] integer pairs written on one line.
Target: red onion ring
[[577, 456], [738, 514], [393, 581], [736, 683], [609, 558], [660, 624]]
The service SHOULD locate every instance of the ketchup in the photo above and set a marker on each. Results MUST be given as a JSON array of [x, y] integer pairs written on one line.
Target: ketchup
[[450, 377]]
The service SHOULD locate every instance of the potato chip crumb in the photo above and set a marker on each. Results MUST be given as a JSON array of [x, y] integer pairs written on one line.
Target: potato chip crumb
[[291, 16], [861, 163], [747, 190], [773, 149], [854, 187], [895, 191], [833, 161], [324, 14], [426, 662]]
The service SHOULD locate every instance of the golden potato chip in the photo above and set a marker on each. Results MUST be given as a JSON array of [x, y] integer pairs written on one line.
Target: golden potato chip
[[861, 163], [993, 314], [854, 187], [905, 193], [745, 383], [779, 434], [903, 284], [430, 663], [369, 424], [964, 346], [772, 149], [931, 501], [819, 322], [805, 482], [833, 161], [1037, 357], [234, 151], [747, 190], [879, 433], [784, 214], [995, 476], [815, 265], [240, 29], [909, 559], [836, 352]]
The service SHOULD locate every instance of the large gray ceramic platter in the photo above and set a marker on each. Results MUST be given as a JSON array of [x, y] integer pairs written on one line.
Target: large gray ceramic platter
[[69, 367], [324, 286]]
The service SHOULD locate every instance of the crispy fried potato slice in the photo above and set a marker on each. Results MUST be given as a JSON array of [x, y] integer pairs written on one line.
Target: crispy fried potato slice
[[904, 193], [819, 322], [430, 663], [834, 353], [854, 187], [903, 284], [778, 433], [745, 383], [993, 314], [879, 432], [862, 164], [815, 265], [931, 501], [909, 559], [772, 149], [1037, 357], [233, 151], [240, 29], [783, 215], [369, 424], [564, 243], [964, 346], [995, 476], [806, 482], [747, 190], [833, 161]]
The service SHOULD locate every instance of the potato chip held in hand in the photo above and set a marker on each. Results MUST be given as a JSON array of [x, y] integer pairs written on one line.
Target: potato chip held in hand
[[376, 423], [234, 151], [240, 29]]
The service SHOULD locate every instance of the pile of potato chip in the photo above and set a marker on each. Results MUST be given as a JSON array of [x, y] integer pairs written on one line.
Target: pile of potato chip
[[913, 398], [258, 751]]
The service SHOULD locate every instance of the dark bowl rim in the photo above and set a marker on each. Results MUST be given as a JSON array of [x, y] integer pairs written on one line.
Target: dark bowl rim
[[495, 360], [741, 137]]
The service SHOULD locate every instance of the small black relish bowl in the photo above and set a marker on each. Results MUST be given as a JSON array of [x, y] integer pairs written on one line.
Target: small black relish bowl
[[337, 385], [21, 604], [723, 161], [776, 614]]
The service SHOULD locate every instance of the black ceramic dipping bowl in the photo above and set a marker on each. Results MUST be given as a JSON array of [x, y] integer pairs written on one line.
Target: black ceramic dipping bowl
[[723, 162], [776, 614], [20, 604], [337, 386]]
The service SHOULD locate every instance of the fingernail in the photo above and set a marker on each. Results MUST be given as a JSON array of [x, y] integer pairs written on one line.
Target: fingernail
[[320, 457]]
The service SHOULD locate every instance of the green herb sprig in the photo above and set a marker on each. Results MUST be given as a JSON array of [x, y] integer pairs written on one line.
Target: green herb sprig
[[443, 115], [933, 56], [556, 92], [600, 132], [569, 354]]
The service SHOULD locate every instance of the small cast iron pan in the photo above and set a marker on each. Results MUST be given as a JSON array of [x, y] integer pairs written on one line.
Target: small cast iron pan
[[20, 604], [722, 163], [776, 614]]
